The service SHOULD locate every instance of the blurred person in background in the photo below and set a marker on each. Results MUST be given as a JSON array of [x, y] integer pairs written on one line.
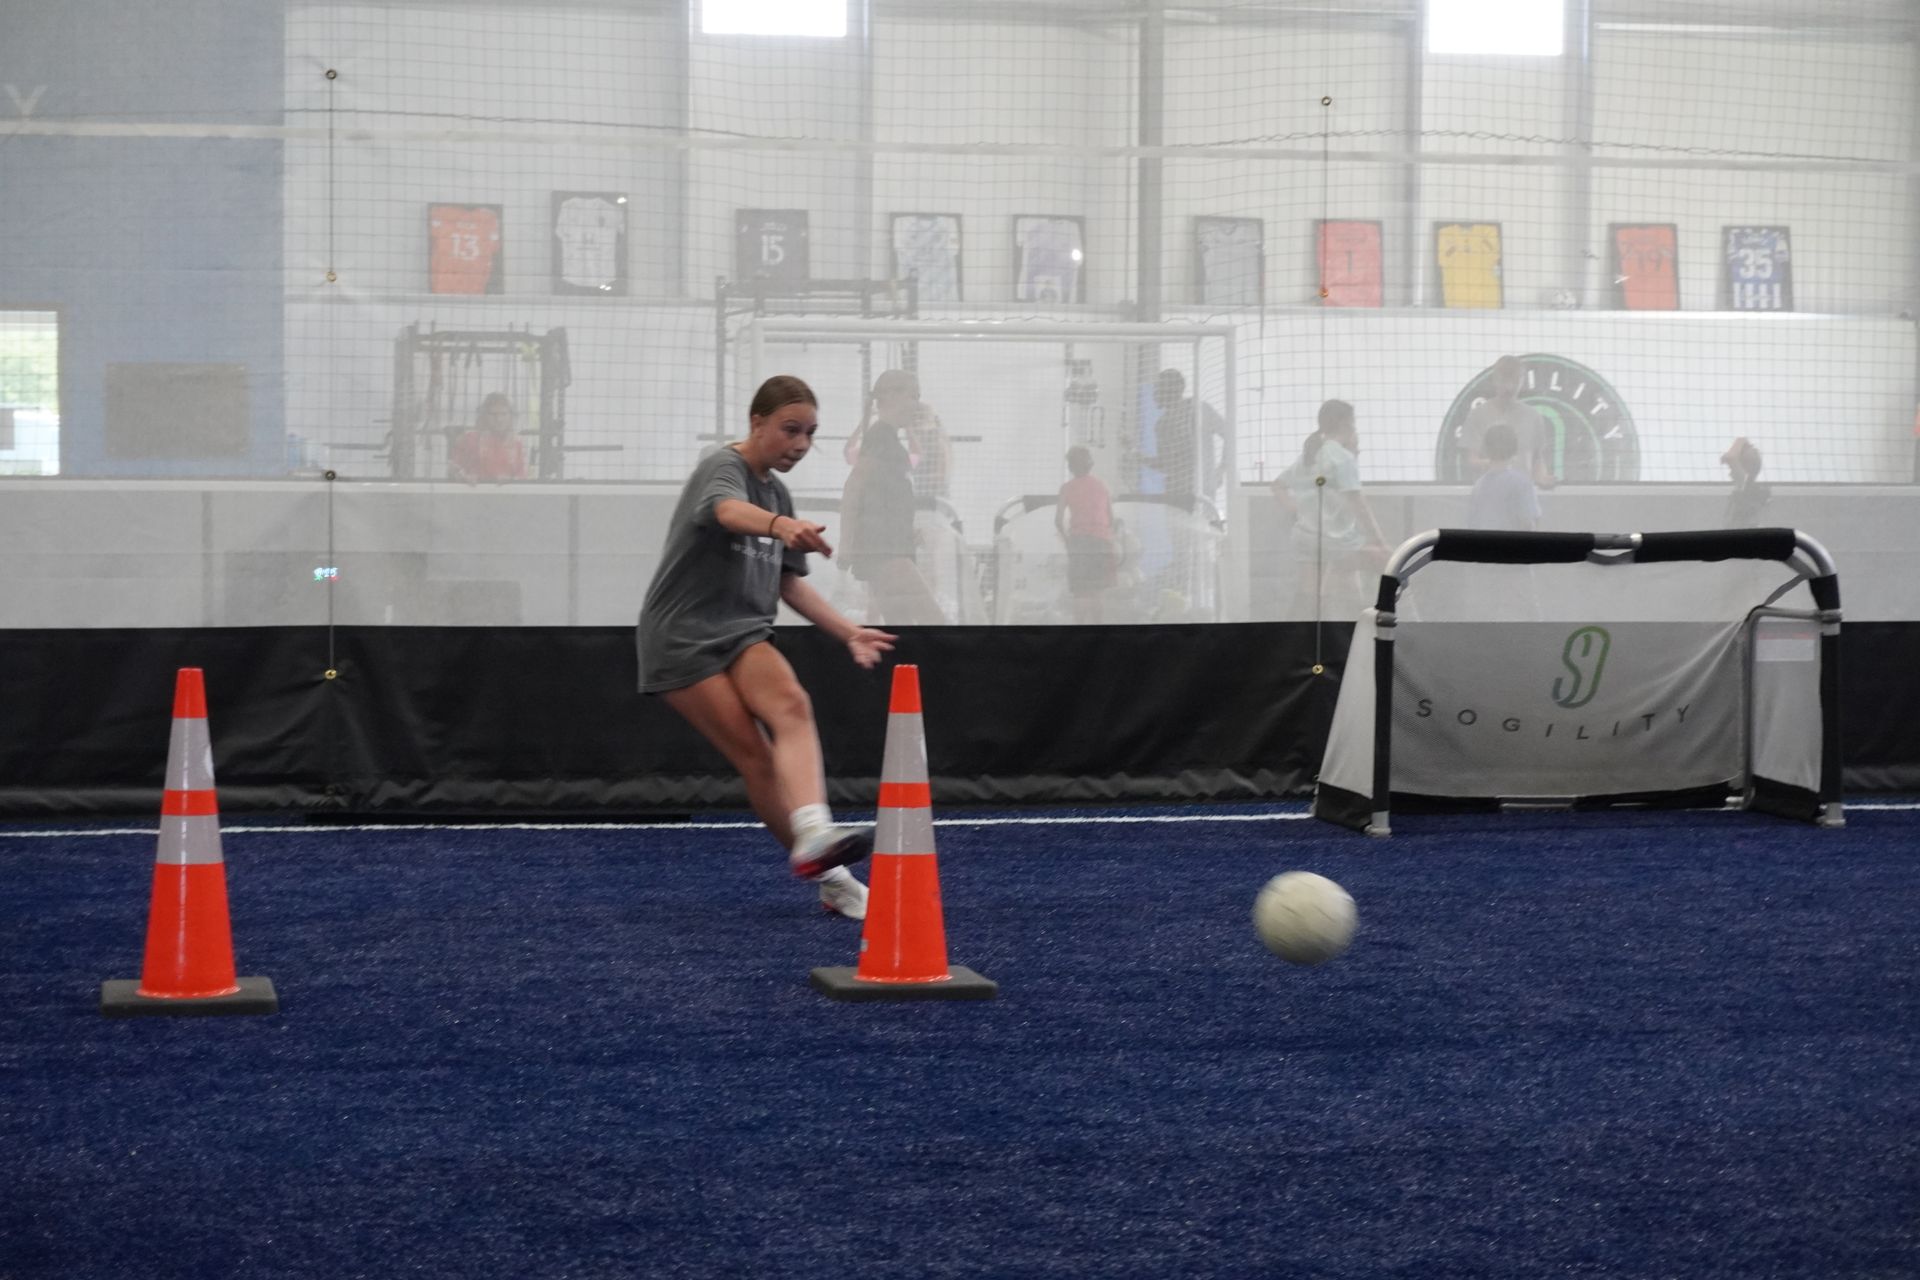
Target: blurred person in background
[[1749, 497], [489, 450]]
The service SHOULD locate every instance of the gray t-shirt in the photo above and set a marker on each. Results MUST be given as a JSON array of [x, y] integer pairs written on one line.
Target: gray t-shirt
[[715, 592], [1504, 498], [1323, 517]]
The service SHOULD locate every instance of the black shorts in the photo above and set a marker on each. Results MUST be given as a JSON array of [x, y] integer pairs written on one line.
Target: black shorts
[[864, 567], [1089, 565]]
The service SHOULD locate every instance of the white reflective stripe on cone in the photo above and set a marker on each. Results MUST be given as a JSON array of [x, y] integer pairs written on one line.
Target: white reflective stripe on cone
[[903, 831], [189, 756], [906, 754], [188, 840]]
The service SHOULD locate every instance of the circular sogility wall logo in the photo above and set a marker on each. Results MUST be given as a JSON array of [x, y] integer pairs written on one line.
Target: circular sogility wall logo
[[1590, 437]]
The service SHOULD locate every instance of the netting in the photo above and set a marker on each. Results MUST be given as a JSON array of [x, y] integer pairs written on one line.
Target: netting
[[1543, 681], [515, 266]]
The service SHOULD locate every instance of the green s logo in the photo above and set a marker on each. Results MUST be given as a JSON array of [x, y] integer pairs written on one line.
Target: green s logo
[[1584, 657]]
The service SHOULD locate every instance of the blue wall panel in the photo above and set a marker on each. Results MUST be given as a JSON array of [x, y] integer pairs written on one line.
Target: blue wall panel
[[155, 249]]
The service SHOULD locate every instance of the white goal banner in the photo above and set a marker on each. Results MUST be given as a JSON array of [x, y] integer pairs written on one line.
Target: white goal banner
[[1556, 709]]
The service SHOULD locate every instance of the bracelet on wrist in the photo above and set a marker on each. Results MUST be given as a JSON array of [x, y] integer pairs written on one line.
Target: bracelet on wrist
[[770, 524]]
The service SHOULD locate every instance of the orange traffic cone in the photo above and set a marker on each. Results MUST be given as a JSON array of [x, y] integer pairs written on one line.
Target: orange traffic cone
[[903, 949], [189, 961]]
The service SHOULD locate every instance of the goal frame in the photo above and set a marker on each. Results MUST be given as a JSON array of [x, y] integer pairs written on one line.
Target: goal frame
[[762, 331], [1371, 813]]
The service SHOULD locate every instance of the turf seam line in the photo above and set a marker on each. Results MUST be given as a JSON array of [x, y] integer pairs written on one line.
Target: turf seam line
[[1087, 821], [1096, 820]]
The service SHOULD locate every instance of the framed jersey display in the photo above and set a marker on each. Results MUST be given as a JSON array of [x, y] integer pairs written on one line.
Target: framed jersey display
[[1049, 259], [1759, 268], [927, 246], [771, 245], [1468, 256], [1347, 262], [1646, 266], [590, 243], [1230, 261], [464, 248]]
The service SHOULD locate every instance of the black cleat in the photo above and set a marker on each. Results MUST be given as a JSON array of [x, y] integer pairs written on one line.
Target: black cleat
[[834, 847]]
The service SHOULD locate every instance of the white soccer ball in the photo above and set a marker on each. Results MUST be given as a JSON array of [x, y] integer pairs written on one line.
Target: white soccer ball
[[1304, 918]]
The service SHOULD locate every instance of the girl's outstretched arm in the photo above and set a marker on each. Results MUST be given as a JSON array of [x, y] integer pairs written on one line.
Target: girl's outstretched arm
[[866, 644]]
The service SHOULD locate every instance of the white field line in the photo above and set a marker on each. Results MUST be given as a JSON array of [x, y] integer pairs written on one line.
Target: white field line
[[1088, 821], [326, 829]]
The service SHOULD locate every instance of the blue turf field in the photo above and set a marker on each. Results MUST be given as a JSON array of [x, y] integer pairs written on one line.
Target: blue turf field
[[1628, 1045]]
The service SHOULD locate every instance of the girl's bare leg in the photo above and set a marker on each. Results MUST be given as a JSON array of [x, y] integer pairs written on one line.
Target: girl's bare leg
[[771, 694], [757, 699], [715, 708]]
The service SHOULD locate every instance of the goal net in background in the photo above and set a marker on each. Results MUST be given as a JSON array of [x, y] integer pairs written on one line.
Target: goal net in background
[[1169, 563], [330, 232], [1000, 405]]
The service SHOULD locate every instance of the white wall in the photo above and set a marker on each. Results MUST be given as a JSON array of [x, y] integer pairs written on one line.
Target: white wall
[[1021, 115], [481, 105], [1798, 386], [1259, 89], [805, 92], [1845, 111], [989, 119]]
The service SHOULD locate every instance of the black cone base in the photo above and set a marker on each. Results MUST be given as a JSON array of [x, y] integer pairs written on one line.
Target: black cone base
[[121, 998], [838, 983]]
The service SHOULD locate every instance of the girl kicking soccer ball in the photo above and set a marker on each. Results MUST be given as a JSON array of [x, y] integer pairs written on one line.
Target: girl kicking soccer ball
[[734, 552]]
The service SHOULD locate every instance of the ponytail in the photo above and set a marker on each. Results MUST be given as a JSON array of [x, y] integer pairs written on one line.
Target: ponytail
[[1311, 449]]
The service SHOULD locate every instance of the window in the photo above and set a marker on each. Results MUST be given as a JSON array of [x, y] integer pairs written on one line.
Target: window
[[1526, 27], [773, 17], [29, 393]]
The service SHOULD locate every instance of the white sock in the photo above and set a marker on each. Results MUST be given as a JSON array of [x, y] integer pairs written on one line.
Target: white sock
[[808, 820], [836, 875]]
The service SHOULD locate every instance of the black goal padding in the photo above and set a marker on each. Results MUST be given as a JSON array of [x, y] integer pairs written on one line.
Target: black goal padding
[[1505, 546], [1717, 544], [1826, 590]]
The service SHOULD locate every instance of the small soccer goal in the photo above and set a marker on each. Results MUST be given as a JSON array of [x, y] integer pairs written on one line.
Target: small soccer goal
[[1584, 670]]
